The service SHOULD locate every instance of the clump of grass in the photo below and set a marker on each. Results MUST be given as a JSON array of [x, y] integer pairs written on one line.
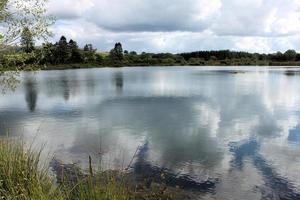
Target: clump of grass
[[21, 176], [99, 185], [103, 185]]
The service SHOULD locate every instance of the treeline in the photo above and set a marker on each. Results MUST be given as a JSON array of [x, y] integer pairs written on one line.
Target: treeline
[[227, 57], [67, 53]]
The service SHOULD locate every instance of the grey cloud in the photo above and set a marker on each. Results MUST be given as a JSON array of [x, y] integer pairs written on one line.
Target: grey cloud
[[179, 26], [135, 16]]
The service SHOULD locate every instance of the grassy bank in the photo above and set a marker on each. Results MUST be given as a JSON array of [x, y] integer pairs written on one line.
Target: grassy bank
[[24, 177]]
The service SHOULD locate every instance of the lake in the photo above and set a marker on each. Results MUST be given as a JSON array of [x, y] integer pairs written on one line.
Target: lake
[[228, 132]]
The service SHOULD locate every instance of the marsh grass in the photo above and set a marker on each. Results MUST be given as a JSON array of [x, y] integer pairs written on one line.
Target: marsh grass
[[21, 175], [24, 177]]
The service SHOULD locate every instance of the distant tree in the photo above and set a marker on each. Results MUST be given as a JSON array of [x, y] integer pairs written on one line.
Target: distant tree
[[133, 53], [290, 55], [27, 42], [89, 53], [298, 57], [119, 51], [89, 47], [63, 41], [48, 54], [76, 56], [278, 57], [116, 55], [86, 47], [73, 44], [62, 50], [195, 61]]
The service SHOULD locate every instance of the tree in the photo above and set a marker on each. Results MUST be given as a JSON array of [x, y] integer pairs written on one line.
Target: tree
[[133, 53], [75, 54], [86, 48], [89, 47], [89, 53], [15, 15], [290, 55], [27, 42], [48, 54], [63, 52], [116, 55], [119, 50]]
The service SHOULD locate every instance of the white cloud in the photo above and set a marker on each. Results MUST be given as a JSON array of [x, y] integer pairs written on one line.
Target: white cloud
[[178, 26]]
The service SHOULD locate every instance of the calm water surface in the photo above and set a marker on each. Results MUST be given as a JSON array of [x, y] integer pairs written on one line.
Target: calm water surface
[[230, 133]]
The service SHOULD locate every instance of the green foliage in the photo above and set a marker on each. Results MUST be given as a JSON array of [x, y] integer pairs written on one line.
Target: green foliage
[[290, 55], [116, 55], [15, 15], [196, 61], [89, 47], [99, 58], [21, 176], [76, 56], [63, 54], [27, 42], [21, 23]]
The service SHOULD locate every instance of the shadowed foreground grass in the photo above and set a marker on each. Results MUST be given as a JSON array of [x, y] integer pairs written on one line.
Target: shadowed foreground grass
[[24, 177]]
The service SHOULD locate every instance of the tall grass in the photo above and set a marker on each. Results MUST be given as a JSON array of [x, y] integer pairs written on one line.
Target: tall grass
[[23, 177]]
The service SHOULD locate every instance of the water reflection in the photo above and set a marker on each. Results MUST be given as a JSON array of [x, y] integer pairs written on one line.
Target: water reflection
[[292, 72], [145, 170], [232, 133], [294, 135], [61, 84], [119, 82], [31, 94], [65, 87], [279, 186]]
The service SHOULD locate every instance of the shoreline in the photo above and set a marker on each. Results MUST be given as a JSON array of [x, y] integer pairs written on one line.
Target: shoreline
[[97, 66], [93, 66]]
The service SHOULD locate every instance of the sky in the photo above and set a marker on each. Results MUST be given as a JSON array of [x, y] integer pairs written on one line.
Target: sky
[[179, 25]]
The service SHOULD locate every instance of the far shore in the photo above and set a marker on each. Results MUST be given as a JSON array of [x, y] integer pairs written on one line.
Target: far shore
[[93, 65]]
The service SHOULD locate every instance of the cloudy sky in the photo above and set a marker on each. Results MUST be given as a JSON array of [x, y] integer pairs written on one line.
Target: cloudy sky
[[180, 25]]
